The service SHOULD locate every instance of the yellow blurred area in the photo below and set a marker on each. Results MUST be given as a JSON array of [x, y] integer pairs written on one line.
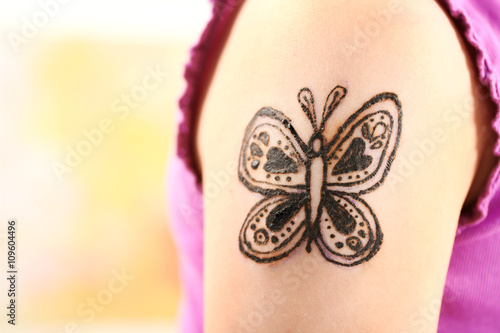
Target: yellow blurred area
[[118, 218], [87, 126]]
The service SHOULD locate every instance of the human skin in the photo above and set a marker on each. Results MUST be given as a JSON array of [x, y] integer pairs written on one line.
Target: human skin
[[274, 49]]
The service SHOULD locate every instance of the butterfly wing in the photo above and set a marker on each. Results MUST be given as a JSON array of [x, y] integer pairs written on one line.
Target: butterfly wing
[[361, 153], [348, 232], [274, 227], [272, 158]]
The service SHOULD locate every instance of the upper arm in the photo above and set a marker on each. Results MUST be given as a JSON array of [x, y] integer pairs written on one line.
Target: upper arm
[[275, 49]]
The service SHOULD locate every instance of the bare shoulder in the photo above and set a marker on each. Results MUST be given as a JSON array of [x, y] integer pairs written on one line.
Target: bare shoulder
[[349, 131]]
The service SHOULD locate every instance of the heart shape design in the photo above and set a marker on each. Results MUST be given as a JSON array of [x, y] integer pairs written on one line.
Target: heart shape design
[[279, 162], [353, 159]]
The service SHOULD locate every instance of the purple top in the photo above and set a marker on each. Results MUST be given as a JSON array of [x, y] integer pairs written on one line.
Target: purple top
[[471, 301]]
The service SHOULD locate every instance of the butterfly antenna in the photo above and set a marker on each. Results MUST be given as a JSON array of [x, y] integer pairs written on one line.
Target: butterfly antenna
[[306, 101], [333, 99]]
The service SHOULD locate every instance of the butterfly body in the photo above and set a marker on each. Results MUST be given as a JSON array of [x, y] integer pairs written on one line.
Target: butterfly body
[[311, 191], [315, 178]]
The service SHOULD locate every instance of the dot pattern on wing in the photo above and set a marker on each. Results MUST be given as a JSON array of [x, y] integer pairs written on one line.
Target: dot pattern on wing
[[274, 227], [362, 152], [348, 230], [271, 158]]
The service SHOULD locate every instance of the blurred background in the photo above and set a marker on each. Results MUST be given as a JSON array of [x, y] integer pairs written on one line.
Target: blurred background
[[88, 94]]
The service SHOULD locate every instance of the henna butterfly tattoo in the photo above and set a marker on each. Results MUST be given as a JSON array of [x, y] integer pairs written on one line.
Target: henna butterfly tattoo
[[312, 190]]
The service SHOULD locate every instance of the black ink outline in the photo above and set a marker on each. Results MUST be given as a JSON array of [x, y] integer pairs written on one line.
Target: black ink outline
[[373, 244], [243, 173], [266, 202], [306, 100], [386, 96], [332, 101], [330, 154], [371, 175]]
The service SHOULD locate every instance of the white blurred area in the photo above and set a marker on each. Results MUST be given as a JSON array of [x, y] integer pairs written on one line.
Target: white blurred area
[[109, 212], [147, 20]]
